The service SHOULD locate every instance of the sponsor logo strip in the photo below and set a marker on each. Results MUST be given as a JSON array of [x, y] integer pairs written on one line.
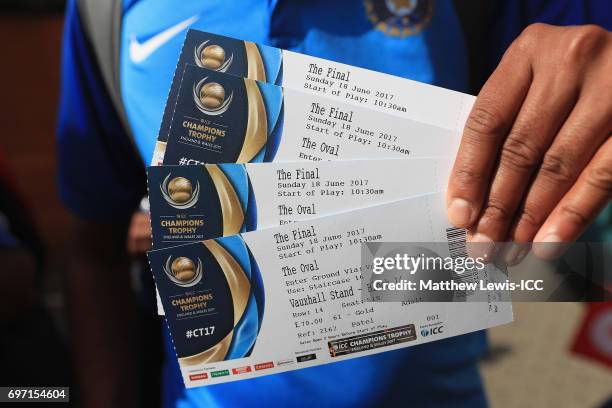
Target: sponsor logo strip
[[306, 357], [381, 338], [241, 370], [200, 376], [220, 373], [263, 366]]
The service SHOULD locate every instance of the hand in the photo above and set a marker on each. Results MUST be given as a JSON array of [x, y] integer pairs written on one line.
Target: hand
[[535, 160], [139, 234]]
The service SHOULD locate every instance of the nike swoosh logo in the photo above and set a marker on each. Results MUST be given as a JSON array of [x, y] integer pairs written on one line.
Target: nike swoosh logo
[[141, 51]]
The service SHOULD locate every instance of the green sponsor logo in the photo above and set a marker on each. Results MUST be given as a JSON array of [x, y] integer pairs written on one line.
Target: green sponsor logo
[[219, 373]]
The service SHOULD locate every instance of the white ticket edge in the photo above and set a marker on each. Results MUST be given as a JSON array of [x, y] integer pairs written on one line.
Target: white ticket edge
[[379, 91], [290, 192]]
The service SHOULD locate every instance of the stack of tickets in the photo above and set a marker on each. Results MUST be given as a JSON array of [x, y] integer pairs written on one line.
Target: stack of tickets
[[275, 175]]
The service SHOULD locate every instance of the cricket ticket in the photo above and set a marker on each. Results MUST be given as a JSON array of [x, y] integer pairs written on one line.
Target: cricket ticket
[[220, 118], [292, 296], [344, 83], [197, 202]]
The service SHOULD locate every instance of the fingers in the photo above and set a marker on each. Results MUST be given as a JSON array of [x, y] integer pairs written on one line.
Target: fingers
[[582, 134], [580, 206], [139, 234], [545, 108], [488, 124], [520, 152]]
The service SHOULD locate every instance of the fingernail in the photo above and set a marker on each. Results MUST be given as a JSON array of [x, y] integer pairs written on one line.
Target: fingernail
[[516, 253], [511, 253], [549, 248], [481, 246], [522, 255], [460, 212]]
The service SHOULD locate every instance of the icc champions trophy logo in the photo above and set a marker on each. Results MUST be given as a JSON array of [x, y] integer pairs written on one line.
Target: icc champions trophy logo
[[179, 192], [212, 57], [182, 271], [210, 97]]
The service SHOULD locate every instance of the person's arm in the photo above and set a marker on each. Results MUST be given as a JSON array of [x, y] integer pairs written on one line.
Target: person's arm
[[139, 234], [101, 181], [101, 313], [535, 160]]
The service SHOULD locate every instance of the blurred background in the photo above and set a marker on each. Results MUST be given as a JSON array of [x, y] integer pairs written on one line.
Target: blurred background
[[531, 362], [30, 70]]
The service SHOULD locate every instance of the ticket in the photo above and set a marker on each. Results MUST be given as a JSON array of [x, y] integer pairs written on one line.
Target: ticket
[[220, 118], [345, 83], [292, 296], [193, 203]]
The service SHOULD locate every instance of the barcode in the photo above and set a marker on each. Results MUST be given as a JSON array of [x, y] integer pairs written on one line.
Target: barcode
[[457, 238]]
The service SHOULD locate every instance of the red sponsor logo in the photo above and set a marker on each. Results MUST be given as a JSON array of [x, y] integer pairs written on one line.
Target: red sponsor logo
[[241, 370], [201, 376], [263, 366]]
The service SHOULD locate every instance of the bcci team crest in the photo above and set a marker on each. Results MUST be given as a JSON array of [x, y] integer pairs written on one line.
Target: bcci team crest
[[212, 56], [179, 192], [182, 271], [399, 18], [210, 98]]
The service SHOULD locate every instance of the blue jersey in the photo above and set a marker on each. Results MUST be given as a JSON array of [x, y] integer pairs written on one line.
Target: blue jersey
[[102, 169]]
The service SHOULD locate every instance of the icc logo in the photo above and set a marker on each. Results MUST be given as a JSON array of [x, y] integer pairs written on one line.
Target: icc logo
[[212, 57], [432, 331], [183, 271], [210, 98], [179, 192], [399, 18]]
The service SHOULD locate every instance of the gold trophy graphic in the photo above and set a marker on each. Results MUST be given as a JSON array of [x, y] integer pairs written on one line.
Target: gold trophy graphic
[[179, 192], [182, 271], [212, 56]]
